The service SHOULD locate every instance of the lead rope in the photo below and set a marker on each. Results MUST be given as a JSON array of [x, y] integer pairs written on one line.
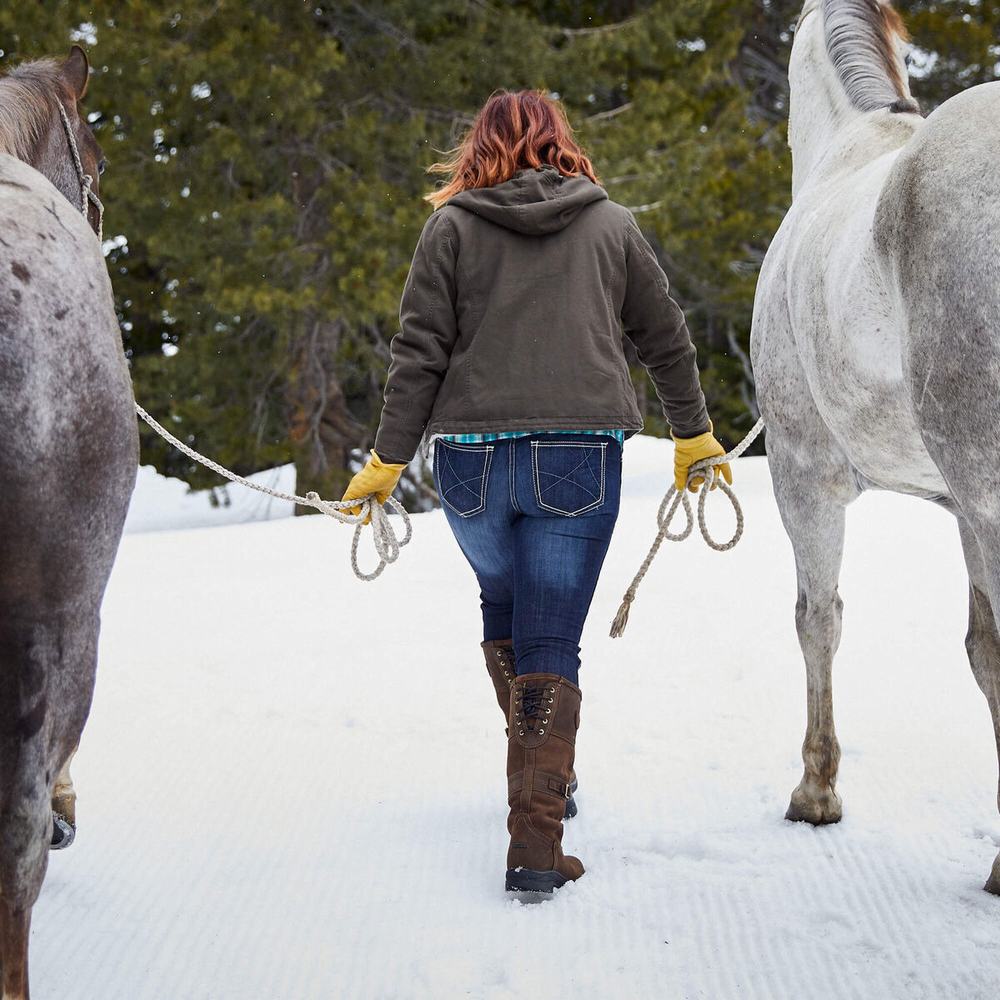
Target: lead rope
[[668, 508], [387, 543], [86, 181]]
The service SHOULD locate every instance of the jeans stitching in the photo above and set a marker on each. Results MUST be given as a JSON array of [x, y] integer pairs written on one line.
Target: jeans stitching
[[481, 497], [535, 445], [510, 465], [463, 482], [584, 463], [448, 467], [538, 489]]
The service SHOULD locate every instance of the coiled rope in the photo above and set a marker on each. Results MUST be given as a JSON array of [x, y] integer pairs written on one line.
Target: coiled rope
[[668, 508], [387, 544]]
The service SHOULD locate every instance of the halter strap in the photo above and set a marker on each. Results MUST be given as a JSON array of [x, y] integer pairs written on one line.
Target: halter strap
[[87, 194]]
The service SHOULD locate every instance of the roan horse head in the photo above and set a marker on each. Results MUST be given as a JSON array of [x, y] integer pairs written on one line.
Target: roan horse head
[[33, 129], [849, 61]]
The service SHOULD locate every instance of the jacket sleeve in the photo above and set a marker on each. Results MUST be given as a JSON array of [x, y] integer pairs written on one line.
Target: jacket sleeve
[[421, 350], [655, 324]]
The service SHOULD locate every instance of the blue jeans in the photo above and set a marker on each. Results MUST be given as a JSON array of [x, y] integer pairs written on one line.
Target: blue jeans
[[534, 517]]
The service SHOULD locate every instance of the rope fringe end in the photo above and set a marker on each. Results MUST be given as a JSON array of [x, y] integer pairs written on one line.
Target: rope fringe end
[[621, 619]]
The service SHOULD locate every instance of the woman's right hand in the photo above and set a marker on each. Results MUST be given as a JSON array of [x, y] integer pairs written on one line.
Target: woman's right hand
[[688, 451], [376, 477]]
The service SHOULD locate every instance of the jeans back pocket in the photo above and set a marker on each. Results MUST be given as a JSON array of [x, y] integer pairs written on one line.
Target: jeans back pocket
[[568, 476], [462, 472]]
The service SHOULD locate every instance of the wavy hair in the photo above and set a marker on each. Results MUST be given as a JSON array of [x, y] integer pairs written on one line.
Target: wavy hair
[[512, 131]]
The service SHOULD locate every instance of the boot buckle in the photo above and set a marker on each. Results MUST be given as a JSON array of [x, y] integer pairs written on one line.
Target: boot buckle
[[561, 788]]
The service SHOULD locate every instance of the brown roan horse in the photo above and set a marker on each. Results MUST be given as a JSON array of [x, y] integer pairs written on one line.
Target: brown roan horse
[[68, 458]]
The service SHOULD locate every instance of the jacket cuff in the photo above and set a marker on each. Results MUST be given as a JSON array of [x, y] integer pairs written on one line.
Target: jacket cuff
[[689, 428], [393, 450], [683, 434]]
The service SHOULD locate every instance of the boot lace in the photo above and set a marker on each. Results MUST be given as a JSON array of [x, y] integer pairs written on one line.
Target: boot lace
[[505, 657], [534, 707]]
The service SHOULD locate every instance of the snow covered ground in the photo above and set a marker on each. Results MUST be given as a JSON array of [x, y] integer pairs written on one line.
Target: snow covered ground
[[292, 783], [161, 504]]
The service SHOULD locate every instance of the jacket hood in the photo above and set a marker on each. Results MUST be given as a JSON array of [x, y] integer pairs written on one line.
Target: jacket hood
[[534, 201]]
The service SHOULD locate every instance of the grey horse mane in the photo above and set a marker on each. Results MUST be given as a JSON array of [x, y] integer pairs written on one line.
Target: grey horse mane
[[27, 104], [861, 40]]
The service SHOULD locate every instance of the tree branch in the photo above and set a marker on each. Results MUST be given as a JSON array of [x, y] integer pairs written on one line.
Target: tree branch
[[603, 29]]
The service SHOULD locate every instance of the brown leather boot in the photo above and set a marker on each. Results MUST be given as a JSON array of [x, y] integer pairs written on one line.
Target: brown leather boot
[[500, 666], [541, 743]]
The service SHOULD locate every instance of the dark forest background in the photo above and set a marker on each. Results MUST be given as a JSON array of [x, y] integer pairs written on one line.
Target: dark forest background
[[267, 161]]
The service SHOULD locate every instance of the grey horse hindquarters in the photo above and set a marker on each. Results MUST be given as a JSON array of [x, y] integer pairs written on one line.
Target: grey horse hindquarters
[[938, 238], [69, 451], [68, 459]]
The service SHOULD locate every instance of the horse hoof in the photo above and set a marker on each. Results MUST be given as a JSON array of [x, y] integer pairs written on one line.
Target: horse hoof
[[993, 882], [63, 834], [817, 808]]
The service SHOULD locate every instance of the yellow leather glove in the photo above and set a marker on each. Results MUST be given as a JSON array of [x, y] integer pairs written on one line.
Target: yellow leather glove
[[376, 477], [687, 451]]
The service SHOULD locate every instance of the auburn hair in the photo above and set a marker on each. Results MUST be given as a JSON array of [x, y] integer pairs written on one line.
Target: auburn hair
[[513, 130]]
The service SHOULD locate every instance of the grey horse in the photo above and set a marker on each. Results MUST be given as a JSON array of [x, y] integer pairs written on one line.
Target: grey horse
[[876, 335], [68, 459]]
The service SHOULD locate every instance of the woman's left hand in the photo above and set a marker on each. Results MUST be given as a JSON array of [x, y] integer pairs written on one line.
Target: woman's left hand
[[687, 451], [376, 477]]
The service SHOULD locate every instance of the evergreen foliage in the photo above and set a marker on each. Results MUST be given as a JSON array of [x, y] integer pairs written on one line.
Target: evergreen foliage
[[266, 176]]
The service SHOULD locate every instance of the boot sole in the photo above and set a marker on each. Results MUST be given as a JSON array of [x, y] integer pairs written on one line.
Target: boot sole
[[531, 886]]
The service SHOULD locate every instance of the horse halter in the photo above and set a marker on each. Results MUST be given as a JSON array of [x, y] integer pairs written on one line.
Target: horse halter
[[86, 181]]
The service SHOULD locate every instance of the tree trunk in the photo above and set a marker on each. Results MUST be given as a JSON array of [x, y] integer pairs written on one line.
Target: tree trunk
[[321, 428]]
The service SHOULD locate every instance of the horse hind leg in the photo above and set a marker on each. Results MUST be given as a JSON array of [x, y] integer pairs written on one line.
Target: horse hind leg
[[25, 832], [37, 657], [983, 645], [15, 928], [812, 502], [954, 367], [25, 807]]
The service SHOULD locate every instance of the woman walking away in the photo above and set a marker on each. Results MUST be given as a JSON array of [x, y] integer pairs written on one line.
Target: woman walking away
[[510, 357]]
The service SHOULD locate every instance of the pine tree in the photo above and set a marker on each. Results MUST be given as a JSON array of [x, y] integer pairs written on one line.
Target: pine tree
[[267, 173]]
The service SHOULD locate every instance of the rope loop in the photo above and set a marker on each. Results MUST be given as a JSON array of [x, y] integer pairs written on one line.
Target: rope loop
[[387, 543], [707, 470]]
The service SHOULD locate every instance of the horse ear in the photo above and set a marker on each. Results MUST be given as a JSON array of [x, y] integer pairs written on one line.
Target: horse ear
[[75, 70]]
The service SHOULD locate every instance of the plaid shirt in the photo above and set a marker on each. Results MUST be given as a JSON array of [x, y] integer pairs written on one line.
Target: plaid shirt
[[618, 435]]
